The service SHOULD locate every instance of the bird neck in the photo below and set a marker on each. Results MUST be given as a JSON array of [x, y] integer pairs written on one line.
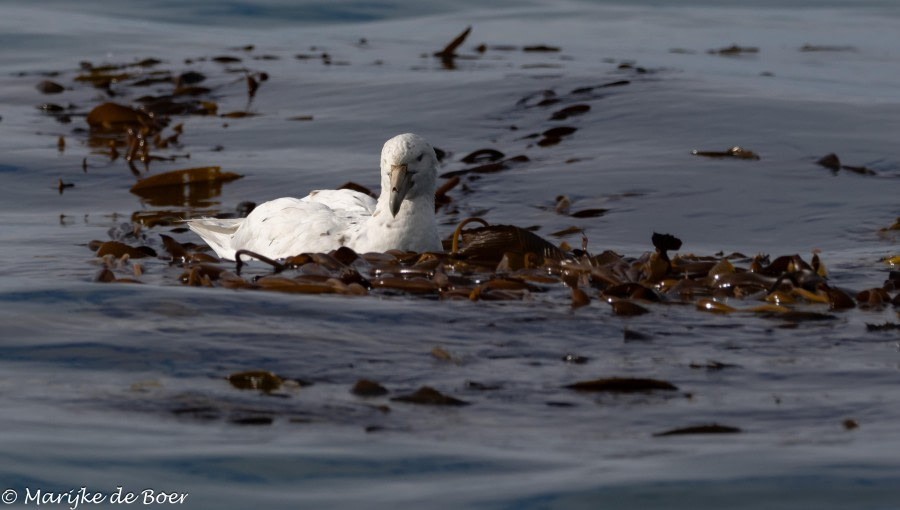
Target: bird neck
[[414, 228], [411, 210]]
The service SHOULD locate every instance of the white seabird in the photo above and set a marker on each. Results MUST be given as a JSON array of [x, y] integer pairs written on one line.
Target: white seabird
[[402, 218]]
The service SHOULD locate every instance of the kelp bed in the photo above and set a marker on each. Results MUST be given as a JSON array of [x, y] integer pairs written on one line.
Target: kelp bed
[[504, 262], [487, 263]]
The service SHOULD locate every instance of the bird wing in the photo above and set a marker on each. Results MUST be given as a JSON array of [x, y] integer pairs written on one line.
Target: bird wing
[[320, 222], [217, 233], [343, 200]]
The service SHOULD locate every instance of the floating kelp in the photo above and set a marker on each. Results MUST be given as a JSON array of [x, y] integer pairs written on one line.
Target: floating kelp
[[575, 359], [627, 308], [238, 115], [441, 354], [540, 48], [50, 87], [116, 118], [107, 276], [554, 135], [586, 90], [261, 380], [713, 428], [542, 98], [61, 186], [448, 54], [886, 326], [734, 152], [440, 194], [735, 50], [890, 232], [359, 188], [826, 48], [51, 108], [833, 163], [563, 204], [226, 59], [589, 213], [483, 156], [567, 232], [488, 168], [622, 385], [118, 250], [579, 298], [430, 396], [570, 111], [712, 365], [131, 130], [190, 186], [504, 262], [252, 420], [368, 388], [189, 78], [489, 245]]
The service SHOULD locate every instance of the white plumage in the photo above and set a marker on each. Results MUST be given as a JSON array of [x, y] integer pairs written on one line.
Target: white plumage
[[402, 218]]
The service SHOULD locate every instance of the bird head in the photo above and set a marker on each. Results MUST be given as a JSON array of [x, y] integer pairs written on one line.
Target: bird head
[[408, 170]]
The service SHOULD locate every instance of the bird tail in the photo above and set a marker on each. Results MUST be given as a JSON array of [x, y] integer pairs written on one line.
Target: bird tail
[[217, 233]]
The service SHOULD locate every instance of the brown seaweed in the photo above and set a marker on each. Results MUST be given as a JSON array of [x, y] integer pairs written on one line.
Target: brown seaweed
[[368, 388], [189, 186], [713, 428], [116, 118], [430, 396], [886, 326], [440, 194], [579, 298], [735, 50], [489, 244], [175, 249], [359, 188], [448, 54], [622, 385], [589, 213], [540, 48], [487, 168], [482, 156], [567, 232], [261, 380], [50, 87], [118, 250], [570, 111], [826, 48], [627, 308], [734, 152], [585, 90], [832, 162]]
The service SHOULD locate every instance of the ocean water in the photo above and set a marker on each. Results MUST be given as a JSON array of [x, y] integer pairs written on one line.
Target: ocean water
[[105, 386]]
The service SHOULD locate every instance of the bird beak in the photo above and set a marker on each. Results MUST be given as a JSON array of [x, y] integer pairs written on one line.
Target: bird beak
[[400, 184]]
